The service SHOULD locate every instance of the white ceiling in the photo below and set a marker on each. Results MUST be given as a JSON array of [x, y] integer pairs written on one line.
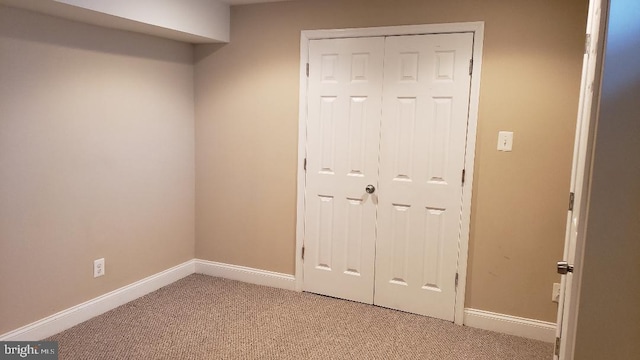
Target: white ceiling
[[63, 10], [244, 2]]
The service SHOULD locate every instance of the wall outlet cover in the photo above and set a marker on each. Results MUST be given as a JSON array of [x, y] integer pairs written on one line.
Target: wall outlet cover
[[555, 294], [98, 268]]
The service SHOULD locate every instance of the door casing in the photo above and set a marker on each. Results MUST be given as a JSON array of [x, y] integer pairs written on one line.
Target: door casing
[[477, 28]]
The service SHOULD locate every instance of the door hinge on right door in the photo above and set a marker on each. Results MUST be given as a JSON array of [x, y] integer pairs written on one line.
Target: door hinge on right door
[[556, 351], [572, 197], [470, 66]]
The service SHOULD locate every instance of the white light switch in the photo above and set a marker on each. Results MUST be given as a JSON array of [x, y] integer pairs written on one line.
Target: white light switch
[[505, 140]]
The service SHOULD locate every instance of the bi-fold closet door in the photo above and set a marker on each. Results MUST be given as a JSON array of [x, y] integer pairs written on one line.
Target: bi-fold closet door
[[385, 148]]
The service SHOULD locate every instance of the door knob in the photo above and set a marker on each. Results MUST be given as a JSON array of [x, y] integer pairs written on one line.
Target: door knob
[[370, 189], [564, 268]]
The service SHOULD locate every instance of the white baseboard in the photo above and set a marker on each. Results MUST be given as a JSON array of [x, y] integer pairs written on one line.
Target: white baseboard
[[512, 325], [246, 274], [75, 315]]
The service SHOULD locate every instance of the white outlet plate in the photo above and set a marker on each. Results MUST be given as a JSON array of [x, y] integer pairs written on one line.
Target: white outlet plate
[[98, 268], [555, 294], [505, 140]]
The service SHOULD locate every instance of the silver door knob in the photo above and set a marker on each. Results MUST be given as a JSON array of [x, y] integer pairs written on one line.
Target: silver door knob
[[564, 268], [370, 189]]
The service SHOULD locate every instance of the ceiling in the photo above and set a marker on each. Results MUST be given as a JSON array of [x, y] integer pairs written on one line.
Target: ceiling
[[244, 2], [62, 9]]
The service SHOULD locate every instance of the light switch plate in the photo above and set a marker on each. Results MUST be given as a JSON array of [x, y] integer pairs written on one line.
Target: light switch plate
[[505, 140]]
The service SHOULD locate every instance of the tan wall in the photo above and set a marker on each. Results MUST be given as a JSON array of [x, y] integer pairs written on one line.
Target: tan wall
[[247, 123], [609, 311], [96, 160]]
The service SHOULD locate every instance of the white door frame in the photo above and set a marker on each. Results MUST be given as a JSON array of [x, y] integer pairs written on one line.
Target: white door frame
[[581, 175], [477, 28]]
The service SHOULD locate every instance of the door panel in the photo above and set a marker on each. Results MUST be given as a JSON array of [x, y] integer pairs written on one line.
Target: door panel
[[423, 137], [390, 112], [344, 109], [580, 174]]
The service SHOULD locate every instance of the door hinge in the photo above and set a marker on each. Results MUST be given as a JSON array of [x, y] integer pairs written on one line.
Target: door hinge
[[556, 352], [305, 164], [587, 44], [307, 69], [572, 197], [303, 253], [456, 279], [463, 175], [470, 66]]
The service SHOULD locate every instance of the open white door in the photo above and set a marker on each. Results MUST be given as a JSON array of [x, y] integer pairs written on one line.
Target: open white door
[[570, 266]]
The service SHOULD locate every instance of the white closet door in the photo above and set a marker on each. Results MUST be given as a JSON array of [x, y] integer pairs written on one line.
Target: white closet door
[[343, 135], [423, 137]]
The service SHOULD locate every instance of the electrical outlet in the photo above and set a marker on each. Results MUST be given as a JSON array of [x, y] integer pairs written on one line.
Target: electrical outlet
[[555, 295], [98, 267]]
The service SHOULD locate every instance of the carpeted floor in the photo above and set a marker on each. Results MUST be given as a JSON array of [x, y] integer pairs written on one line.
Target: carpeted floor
[[203, 317]]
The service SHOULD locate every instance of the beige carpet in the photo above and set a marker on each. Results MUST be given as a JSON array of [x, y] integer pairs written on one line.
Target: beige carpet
[[202, 317]]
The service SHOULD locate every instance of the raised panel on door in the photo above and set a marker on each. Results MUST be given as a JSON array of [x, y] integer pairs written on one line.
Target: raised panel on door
[[422, 150], [343, 133]]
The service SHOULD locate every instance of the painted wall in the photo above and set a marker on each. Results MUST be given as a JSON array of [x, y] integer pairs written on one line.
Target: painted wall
[[96, 160], [609, 311], [247, 132]]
